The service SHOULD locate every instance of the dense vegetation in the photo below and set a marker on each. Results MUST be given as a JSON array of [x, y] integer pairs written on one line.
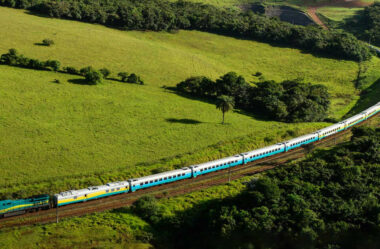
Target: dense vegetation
[[327, 201], [163, 15], [365, 24], [289, 101]]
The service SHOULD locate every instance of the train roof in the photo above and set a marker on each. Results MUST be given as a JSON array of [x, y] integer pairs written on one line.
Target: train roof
[[93, 188], [163, 174], [270, 147], [222, 160], [302, 138]]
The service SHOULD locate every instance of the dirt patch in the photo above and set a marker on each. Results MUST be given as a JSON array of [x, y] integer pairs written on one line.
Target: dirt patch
[[311, 11]]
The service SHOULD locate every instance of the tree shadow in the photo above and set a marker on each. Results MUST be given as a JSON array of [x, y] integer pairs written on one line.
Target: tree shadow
[[183, 121], [41, 44], [79, 82]]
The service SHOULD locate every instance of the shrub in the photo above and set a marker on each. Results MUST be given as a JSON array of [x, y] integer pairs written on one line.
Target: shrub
[[93, 77], [123, 76], [71, 70], [47, 42], [53, 64], [105, 72]]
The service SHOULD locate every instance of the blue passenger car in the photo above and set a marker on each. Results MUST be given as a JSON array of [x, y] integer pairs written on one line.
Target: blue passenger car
[[220, 164], [158, 179], [263, 152]]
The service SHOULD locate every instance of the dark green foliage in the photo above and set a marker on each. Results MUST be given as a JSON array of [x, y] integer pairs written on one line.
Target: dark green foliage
[[159, 15], [47, 42], [147, 208], [366, 25], [329, 200], [123, 76], [93, 77], [130, 78], [71, 70], [105, 72], [13, 58], [289, 101], [53, 64]]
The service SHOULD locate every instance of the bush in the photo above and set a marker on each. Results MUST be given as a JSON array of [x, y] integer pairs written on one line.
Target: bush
[[47, 42], [93, 77], [123, 76], [105, 72], [71, 70], [53, 64]]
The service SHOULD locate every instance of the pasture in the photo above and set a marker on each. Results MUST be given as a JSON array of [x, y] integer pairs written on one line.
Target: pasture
[[59, 136]]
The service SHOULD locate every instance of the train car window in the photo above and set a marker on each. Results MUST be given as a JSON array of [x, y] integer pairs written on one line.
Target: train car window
[[170, 177], [141, 184], [151, 181], [160, 179], [165, 178], [146, 182], [155, 180], [118, 189], [75, 197], [107, 191], [113, 189]]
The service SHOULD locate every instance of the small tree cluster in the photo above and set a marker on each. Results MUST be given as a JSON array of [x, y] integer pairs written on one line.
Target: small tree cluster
[[93, 76], [290, 101], [130, 78], [13, 58]]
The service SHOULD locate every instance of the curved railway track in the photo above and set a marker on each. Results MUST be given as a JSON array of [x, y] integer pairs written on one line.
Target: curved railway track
[[171, 189]]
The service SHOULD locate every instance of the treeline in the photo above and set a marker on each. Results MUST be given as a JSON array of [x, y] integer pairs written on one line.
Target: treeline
[[92, 75], [289, 101], [160, 15], [330, 200], [371, 22]]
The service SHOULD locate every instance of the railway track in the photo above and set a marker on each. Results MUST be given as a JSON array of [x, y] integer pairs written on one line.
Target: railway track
[[171, 189]]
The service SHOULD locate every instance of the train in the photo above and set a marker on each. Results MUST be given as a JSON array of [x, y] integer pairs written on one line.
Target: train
[[35, 203]]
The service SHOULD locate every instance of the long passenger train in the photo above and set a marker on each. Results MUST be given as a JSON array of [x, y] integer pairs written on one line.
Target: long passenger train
[[16, 207]]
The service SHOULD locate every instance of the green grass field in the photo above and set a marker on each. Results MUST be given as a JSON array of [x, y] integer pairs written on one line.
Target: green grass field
[[338, 13], [65, 133]]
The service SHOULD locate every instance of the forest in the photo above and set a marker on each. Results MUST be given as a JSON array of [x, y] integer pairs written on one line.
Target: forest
[[162, 15], [329, 200], [288, 101]]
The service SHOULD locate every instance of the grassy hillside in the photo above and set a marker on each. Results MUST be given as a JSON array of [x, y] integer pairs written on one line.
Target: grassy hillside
[[66, 130], [166, 59], [50, 130]]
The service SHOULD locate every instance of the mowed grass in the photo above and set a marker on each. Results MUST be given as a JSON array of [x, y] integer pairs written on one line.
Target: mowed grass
[[51, 130]]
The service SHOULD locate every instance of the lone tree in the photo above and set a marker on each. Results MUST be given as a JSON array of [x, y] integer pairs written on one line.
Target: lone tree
[[47, 42], [225, 103]]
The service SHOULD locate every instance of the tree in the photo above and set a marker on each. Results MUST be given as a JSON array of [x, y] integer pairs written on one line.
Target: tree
[[93, 77], [105, 72], [53, 64], [225, 104], [47, 42], [123, 76]]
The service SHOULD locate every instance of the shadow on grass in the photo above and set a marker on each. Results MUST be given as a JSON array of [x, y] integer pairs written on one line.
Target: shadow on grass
[[368, 97], [41, 44], [183, 121], [79, 82]]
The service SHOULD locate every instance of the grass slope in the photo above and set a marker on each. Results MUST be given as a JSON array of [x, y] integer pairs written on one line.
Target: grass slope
[[55, 131], [50, 130]]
